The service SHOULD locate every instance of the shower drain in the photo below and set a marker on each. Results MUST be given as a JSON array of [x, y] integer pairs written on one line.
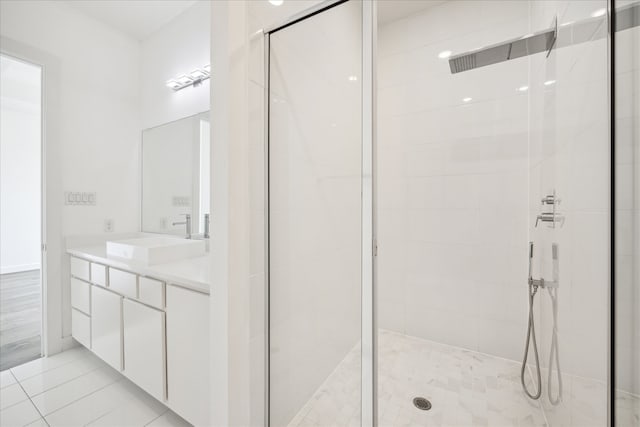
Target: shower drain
[[422, 403]]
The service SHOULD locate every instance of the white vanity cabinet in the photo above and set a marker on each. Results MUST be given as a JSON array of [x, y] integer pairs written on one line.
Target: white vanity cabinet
[[106, 326], [188, 354], [144, 347], [155, 332]]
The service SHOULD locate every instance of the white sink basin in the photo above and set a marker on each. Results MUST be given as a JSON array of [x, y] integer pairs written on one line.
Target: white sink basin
[[155, 250]]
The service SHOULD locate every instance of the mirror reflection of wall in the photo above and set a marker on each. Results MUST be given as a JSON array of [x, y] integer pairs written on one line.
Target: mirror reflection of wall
[[175, 175]]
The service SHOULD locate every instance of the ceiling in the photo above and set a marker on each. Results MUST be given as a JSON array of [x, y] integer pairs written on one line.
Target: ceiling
[[137, 18], [391, 10]]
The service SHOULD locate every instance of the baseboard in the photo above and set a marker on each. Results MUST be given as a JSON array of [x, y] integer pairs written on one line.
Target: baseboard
[[19, 268]]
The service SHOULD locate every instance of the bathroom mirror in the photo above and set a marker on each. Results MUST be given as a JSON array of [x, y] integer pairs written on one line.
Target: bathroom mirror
[[175, 176]]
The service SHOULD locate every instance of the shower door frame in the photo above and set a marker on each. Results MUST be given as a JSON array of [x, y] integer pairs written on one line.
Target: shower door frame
[[368, 301], [369, 357]]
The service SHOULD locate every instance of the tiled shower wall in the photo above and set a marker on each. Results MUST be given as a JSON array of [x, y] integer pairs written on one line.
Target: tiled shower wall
[[460, 182], [453, 180]]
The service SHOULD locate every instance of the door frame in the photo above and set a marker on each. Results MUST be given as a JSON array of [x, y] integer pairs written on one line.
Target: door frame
[[368, 359], [51, 201], [42, 190]]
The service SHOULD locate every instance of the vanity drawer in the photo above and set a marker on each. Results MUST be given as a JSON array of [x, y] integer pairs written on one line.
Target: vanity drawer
[[124, 283], [151, 291], [80, 268], [81, 295], [98, 274], [81, 327]]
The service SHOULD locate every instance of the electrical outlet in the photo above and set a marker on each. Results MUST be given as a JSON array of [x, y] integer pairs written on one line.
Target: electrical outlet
[[108, 225]]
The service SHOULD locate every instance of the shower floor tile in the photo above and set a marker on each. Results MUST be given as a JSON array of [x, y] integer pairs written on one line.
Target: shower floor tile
[[466, 388]]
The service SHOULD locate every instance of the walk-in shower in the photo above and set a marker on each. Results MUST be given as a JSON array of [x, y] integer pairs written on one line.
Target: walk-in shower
[[440, 187]]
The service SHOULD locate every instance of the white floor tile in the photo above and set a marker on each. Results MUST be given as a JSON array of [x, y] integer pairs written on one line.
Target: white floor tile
[[169, 419], [11, 395], [18, 415], [6, 378], [133, 414], [60, 375], [39, 423], [44, 364], [89, 408], [62, 395]]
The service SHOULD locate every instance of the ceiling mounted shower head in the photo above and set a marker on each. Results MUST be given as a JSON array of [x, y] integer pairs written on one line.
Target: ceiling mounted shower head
[[538, 42]]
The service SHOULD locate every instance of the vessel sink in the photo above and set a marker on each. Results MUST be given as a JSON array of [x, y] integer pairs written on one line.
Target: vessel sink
[[155, 250]]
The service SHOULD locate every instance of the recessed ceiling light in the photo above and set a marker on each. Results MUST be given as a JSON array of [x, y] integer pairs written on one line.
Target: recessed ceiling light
[[523, 88], [353, 78], [467, 99], [599, 12], [444, 54], [549, 82], [276, 2]]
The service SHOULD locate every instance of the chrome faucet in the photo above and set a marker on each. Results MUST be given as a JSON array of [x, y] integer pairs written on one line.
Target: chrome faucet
[[553, 217], [206, 226], [187, 223]]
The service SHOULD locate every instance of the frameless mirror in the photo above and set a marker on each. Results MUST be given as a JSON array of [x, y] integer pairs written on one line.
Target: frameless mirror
[[175, 176]]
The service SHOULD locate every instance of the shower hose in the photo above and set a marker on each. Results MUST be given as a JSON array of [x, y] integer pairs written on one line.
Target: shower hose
[[553, 352], [531, 337]]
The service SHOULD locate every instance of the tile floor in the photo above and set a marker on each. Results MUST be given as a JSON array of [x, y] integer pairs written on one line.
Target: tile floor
[[466, 389], [75, 388]]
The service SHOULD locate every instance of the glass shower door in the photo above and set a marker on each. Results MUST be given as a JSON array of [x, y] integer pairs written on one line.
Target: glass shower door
[[315, 169]]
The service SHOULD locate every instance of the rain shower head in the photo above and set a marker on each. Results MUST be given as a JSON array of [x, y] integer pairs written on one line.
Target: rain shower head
[[542, 41]]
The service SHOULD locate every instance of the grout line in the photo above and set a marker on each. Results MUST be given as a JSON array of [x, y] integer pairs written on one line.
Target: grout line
[[64, 382], [84, 352], [162, 414], [31, 401], [86, 395]]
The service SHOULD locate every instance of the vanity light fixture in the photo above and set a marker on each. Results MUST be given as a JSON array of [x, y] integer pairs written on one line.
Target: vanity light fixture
[[353, 78], [194, 78], [467, 99]]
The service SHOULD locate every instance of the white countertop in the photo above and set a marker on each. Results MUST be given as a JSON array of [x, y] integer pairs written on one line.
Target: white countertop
[[190, 273]]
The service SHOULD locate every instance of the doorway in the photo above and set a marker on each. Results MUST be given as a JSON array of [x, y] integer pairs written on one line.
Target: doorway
[[20, 212]]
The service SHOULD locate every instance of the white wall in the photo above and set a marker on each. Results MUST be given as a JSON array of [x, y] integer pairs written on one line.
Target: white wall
[[237, 197], [96, 117], [20, 152], [177, 48], [453, 180]]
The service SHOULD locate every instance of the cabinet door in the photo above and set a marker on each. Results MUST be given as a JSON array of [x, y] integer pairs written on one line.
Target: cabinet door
[[188, 354], [144, 347], [106, 326]]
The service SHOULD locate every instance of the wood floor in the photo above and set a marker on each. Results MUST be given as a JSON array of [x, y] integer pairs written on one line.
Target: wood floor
[[20, 318]]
